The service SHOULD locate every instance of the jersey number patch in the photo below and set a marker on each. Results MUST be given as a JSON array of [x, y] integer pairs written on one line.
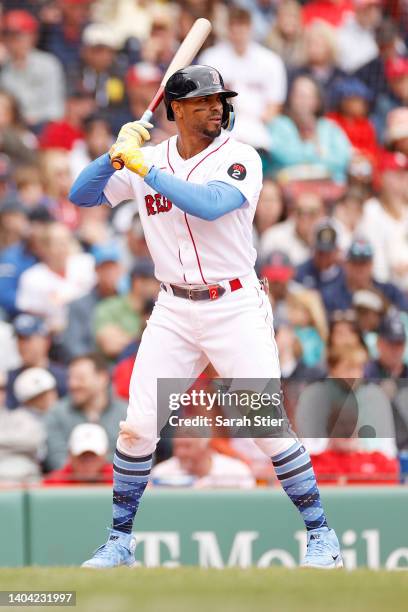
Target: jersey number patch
[[157, 204], [237, 172]]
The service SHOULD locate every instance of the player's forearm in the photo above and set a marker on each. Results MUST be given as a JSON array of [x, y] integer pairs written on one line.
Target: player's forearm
[[87, 189], [208, 202]]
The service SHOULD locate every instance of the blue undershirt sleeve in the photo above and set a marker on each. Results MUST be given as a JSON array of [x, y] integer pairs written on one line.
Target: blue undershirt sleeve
[[87, 189], [208, 202]]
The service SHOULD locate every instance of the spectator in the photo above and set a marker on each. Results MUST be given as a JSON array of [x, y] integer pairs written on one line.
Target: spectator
[[5, 175], [159, 47], [34, 77], [29, 188], [195, 464], [396, 135], [344, 405], [60, 277], [293, 366], [87, 460], [286, 37], [256, 72], [295, 236], [344, 462], [57, 179], [270, 207], [62, 32], [13, 222], [324, 266], [356, 36], [391, 343], [385, 219], [307, 317], [303, 143], [348, 211], [98, 139], [100, 74], [351, 114], [17, 258], [65, 133], [396, 72], [21, 443], [89, 401], [142, 82], [357, 275], [79, 336], [370, 307], [35, 389], [15, 140], [319, 60], [344, 331], [118, 319], [279, 272], [133, 242], [330, 11], [262, 13], [389, 45], [33, 343]]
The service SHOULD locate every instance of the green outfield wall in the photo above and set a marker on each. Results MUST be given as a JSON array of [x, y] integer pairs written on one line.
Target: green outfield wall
[[62, 526]]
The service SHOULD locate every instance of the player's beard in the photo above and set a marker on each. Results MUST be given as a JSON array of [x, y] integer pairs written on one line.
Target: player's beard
[[212, 133]]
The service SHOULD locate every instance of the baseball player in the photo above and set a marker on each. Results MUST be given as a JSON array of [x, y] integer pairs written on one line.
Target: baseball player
[[197, 194]]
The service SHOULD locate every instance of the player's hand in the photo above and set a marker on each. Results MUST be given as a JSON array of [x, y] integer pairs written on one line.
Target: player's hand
[[132, 156], [135, 131]]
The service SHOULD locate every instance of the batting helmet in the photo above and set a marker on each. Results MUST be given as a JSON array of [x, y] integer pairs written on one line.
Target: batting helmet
[[194, 82]]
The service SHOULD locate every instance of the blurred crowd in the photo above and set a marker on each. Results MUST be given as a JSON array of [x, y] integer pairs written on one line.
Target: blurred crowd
[[323, 97]]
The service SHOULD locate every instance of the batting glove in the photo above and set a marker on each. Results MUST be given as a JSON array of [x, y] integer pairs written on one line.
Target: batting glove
[[136, 131], [133, 157]]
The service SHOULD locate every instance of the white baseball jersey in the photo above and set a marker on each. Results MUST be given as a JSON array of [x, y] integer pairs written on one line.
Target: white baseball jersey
[[184, 248]]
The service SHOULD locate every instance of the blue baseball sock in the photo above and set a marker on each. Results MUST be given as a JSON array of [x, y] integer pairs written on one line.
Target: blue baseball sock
[[130, 477], [295, 473]]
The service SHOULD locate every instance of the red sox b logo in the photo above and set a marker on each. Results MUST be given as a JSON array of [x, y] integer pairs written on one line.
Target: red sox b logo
[[157, 204]]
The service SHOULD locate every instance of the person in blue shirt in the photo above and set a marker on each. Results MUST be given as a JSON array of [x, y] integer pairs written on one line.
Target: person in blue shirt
[[323, 268], [356, 275], [305, 144]]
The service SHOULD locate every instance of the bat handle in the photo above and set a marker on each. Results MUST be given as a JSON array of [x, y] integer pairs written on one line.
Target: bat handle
[[116, 162]]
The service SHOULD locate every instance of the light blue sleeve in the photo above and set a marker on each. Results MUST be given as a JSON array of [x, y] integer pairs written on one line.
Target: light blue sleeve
[[87, 189], [208, 202]]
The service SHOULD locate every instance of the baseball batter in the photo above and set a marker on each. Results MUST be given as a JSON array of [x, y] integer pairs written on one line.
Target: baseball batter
[[197, 194]]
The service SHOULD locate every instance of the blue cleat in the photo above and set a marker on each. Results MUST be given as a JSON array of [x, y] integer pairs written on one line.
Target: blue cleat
[[118, 550], [323, 549]]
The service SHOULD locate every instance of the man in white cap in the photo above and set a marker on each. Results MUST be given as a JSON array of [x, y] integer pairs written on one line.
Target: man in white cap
[[35, 390], [22, 434], [87, 463]]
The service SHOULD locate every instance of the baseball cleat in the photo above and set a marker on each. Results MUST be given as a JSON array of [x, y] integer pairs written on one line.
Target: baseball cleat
[[118, 550], [323, 549]]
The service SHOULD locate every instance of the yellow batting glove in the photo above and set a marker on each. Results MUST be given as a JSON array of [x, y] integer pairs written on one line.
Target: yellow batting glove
[[132, 157], [136, 131]]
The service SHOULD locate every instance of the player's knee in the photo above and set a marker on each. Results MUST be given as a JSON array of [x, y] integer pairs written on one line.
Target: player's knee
[[136, 440]]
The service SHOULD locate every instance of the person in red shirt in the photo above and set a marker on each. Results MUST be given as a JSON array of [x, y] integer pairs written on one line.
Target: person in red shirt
[[343, 462], [87, 463], [352, 98], [63, 134]]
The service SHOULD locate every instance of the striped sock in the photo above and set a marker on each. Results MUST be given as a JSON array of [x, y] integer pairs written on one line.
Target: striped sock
[[295, 473], [130, 476]]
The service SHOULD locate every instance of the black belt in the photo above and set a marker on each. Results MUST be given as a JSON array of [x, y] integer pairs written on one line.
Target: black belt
[[212, 292]]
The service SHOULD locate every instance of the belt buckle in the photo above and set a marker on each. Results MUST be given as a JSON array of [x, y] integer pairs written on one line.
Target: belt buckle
[[213, 292]]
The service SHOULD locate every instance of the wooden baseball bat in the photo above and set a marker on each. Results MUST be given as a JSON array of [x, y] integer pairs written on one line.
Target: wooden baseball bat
[[183, 57]]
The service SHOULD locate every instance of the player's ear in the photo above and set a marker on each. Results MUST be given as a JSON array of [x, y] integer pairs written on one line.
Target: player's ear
[[177, 109]]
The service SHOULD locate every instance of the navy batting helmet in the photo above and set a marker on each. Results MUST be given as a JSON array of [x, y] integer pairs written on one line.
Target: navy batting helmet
[[194, 82]]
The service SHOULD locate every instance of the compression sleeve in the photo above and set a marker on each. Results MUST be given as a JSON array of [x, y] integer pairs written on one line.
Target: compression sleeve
[[87, 189], [208, 202]]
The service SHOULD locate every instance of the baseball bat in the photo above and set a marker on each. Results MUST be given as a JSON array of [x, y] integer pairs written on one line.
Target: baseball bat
[[183, 57]]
